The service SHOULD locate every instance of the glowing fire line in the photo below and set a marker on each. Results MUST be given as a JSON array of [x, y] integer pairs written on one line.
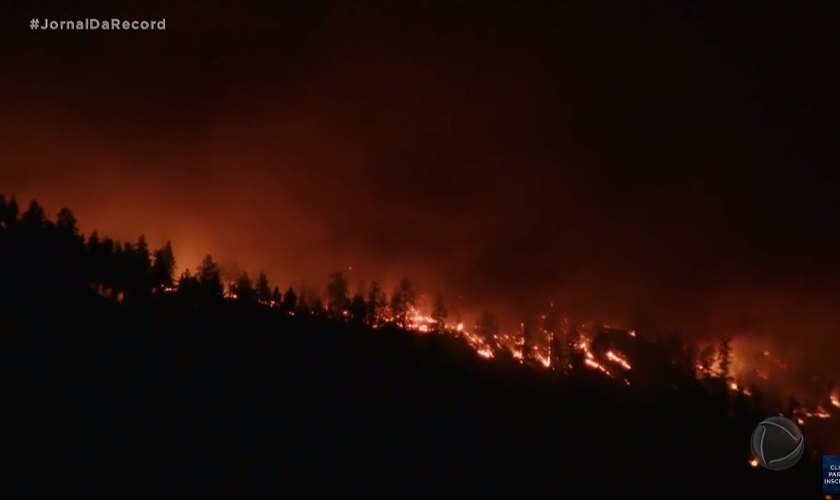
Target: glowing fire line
[[422, 323]]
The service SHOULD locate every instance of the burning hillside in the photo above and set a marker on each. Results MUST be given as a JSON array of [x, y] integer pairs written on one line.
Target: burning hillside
[[560, 345], [611, 351]]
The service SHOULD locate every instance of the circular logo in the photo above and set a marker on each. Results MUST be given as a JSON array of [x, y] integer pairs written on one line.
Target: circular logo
[[777, 443]]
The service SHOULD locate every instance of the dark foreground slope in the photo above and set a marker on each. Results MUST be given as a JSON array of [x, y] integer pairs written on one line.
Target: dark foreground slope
[[171, 398]]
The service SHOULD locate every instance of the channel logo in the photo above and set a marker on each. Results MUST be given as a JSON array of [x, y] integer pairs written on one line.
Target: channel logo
[[831, 474], [777, 443]]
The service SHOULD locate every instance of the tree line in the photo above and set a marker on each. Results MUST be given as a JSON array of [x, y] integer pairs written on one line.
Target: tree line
[[149, 336], [52, 259], [59, 260]]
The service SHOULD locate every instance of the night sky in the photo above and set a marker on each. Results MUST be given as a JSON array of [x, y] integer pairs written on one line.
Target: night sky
[[660, 159]]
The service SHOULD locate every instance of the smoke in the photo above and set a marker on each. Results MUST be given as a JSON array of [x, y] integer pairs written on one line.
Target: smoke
[[506, 168]]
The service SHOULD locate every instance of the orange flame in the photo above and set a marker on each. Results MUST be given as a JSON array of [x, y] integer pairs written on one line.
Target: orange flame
[[616, 358], [422, 323]]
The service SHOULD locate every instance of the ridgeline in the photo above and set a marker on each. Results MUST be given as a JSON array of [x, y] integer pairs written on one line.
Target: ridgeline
[[115, 386]]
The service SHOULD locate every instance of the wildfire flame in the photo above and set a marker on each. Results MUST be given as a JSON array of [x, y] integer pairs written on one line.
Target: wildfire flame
[[611, 363], [616, 358]]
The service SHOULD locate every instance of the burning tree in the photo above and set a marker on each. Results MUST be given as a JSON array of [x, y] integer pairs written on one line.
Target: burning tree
[[725, 357], [575, 355], [338, 295], [439, 314], [528, 344], [551, 331], [487, 328], [707, 359], [402, 301], [376, 303]]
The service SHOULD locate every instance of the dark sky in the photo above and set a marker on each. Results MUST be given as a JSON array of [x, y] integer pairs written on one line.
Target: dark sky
[[621, 158]]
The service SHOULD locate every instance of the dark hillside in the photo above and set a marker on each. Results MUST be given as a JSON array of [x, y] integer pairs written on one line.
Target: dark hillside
[[169, 398], [154, 391]]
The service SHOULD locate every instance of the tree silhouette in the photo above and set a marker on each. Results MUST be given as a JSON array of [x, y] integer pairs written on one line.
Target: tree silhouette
[[338, 297], [601, 339], [243, 288], [210, 277], [527, 344], [358, 309], [673, 347], [290, 300], [3, 208], [95, 259], [556, 352], [163, 267], [69, 252], [403, 301], [575, 357], [376, 303], [138, 265], [262, 288], [66, 223], [550, 326], [33, 218], [439, 314], [11, 212], [188, 286], [117, 269], [317, 306], [707, 359], [276, 296], [725, 357], [487, 327], [550, 322], [689, 359]]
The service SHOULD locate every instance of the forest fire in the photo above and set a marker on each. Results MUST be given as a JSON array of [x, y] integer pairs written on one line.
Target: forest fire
[[420, 322], [541, 354], [577, 340], [820, 412], [591, 363], [616, 358], [555, 346]]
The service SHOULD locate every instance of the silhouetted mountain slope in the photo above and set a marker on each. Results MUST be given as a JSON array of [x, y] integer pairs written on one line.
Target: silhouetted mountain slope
[[169, 397], [118, 380]]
